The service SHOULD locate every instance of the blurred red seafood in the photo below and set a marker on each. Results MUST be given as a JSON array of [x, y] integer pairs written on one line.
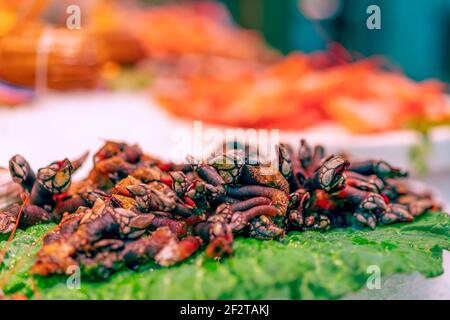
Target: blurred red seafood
[[302, 90], [197, 28], [110, 23]]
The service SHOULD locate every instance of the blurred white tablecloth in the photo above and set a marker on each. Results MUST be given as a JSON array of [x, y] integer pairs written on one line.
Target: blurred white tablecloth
[[60, 125]]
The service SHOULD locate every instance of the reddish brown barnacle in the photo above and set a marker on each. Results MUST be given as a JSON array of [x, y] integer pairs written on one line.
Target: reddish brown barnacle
[[307, 160], [298, 204], [178, 182], [263, 227], [351, 195], [398, 187], [219, 247], [418, 207], [69, 204], [130, 253], [67, 226], [209, 174], [119, 201], [395, 213], [229, 208], [228, 165], [238, 215], [371, 207], [151, 198], [371, 182], [279, 199], [230, 200], [297, 176], [323, 201], [21, 172], [218, 236], [305, 154], [257, 175], [194, 219], [51, 180], [131, 224], [29, 215], [212, 177], [56, 177], [329, 176], [296, 197], [129, 153], [110, 169], [183, 210], [120, 188], [40, 196], [380, 168], [158, 196], [94, 224], [176, 251], [316, 221], [86, 197], [250, 203], [54, 258], [148, 174], [145, 248], [190, 190], [240, 219], [108, 150], [366, 205], [178, 227], [362, 185], [284, 160]]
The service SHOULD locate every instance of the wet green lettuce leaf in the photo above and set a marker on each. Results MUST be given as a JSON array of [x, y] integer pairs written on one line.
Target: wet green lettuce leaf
[[307, 265]]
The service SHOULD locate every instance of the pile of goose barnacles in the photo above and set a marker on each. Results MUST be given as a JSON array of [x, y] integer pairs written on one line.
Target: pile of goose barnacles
[[133, 208]]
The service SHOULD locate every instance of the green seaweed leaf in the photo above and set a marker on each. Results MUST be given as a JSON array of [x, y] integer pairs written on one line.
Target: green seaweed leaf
[[308, 265]]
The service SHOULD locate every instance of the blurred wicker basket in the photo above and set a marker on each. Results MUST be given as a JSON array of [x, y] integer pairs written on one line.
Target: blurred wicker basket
[[60, 58]]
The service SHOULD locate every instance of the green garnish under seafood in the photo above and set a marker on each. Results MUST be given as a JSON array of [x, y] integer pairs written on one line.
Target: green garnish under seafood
[[307, 265]]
